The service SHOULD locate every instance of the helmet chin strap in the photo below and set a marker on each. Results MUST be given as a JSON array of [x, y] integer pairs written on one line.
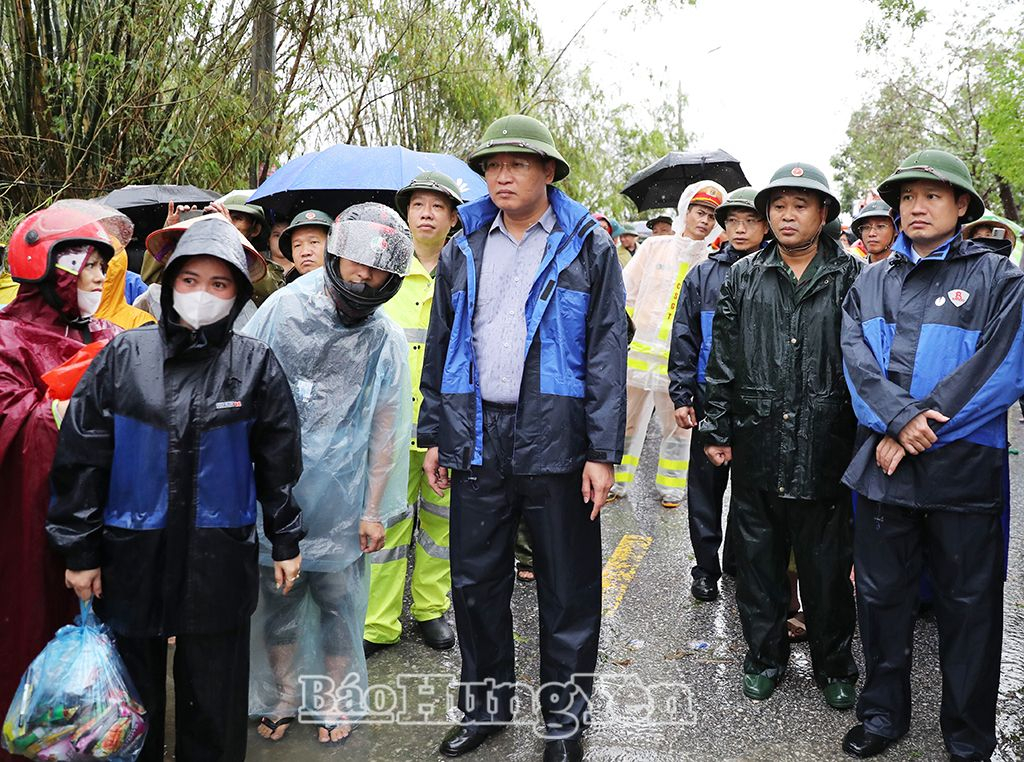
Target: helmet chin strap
[[801, 246]]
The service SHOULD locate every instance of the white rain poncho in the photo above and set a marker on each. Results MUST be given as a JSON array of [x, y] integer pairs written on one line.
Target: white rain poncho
[[351, 388], [654, 278]]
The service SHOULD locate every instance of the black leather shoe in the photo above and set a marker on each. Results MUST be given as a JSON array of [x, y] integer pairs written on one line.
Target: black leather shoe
[[563, 750], [703, 589], [862, 743], [370, 648], [437, 633], [463, 738]]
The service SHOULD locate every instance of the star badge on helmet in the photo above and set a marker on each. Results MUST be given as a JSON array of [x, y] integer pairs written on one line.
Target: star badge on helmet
[[797, 171]]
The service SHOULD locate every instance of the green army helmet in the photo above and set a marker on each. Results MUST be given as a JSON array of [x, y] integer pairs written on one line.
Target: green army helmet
[[798, 174], [872, 209], [833, 229], [237, 201], [933, 164], [739, 199], [436, 182], [518, 133], [309, 218]]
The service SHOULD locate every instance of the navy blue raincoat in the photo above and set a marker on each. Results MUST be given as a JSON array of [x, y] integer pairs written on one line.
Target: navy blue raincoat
[[944, 334]]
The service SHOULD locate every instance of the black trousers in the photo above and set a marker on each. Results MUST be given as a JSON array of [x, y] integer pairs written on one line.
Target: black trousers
[[487, 503], [211, 693], [819, 534], [963, 552], [705, 491]]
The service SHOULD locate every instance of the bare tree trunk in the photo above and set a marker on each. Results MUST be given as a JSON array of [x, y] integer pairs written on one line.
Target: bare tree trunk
[[264, 46], [1010, 210]]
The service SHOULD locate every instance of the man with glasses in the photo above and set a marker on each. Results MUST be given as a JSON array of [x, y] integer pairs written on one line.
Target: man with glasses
[[874, 226], [746, 228], [524, 400]]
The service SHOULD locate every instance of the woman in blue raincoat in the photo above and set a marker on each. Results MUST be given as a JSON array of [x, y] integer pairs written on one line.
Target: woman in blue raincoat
[[349, 374]]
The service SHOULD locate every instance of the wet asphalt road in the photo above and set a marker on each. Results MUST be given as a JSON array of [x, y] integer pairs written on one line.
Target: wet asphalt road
[[660, 636]]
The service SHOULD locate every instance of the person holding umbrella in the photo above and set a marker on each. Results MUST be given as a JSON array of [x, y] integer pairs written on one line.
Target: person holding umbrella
[[428, 204], [524, 401], [778, 410], [57, 256], [654, 281], [172, 436]]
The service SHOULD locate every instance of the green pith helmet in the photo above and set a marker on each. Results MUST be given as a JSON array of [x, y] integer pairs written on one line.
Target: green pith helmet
[[436, 182], [875, 208], [833, 229], [310, 218], [739, 199], [518, 134], [798, 175], [236, 201], [993, 221], [933, 164]]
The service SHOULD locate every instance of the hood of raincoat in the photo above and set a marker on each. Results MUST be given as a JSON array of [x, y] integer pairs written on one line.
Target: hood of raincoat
[[8, 289], [214, 237], [654, 279], [113, 306], [679, 224], [351, 388]]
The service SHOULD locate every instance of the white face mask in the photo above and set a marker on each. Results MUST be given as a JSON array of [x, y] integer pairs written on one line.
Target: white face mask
[[199, 308], [88, 302]]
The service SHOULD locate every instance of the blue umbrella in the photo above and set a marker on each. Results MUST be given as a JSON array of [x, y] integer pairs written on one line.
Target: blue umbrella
[[337, 177]]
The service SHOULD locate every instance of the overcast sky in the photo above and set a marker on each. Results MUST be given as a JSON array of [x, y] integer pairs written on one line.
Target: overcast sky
[[770, 81]]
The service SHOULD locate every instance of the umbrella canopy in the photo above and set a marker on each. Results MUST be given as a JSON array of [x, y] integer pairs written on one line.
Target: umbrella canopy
[[660, 185], [146, 205], [337, 177]]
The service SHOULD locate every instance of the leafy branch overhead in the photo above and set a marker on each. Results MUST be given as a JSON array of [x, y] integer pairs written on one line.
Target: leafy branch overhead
[[103, 93]]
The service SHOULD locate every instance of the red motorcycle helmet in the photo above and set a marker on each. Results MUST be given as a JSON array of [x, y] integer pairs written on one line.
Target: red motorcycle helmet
[[34, 244]]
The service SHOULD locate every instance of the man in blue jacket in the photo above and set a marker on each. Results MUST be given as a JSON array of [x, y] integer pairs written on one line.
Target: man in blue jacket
[[524, 400], [687, 362], [932, 348]]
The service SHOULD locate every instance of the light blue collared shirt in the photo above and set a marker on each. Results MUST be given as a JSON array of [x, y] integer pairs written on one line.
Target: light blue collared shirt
[[499, 321]]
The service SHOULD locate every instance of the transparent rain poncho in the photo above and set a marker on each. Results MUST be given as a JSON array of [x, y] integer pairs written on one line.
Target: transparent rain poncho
[[653, 278], [351, 388]]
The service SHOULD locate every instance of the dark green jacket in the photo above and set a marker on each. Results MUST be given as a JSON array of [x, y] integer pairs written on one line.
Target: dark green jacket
[[775, 387]]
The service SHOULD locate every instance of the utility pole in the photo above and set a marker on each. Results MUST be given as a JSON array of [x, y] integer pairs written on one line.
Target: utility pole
[[261, 87]]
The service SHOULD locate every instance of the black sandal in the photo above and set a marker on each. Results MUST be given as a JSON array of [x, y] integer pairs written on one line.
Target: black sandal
[[273, 726], [329, 728], [522, 569]]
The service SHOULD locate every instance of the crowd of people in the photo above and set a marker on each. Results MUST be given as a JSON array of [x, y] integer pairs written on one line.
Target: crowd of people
[[468, 385]]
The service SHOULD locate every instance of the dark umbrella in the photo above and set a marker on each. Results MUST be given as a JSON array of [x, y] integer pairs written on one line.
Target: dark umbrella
[[337, 177], [662, 183], [146, 205]]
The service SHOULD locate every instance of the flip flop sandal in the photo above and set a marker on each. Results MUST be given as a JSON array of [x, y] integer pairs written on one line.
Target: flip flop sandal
[[329, 727], [273, 725], [521, 570]]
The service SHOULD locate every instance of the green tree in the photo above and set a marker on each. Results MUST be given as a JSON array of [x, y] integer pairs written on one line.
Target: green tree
[[919, 106]]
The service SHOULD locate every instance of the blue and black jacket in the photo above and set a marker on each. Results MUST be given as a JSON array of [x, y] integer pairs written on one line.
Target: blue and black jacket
[[691, 327], [944, 334], [171, 438], [572, 401]]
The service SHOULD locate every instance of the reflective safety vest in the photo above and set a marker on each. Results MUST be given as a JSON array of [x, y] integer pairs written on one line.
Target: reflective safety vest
[[410, 308], [654, 279]]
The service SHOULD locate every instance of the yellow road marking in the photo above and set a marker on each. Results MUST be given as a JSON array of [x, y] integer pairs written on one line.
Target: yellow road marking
[[621, 568]]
